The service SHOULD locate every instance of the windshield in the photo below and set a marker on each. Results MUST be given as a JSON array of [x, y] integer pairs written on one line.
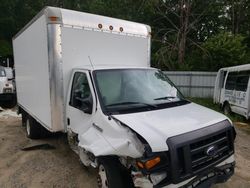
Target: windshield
[[124, 90]]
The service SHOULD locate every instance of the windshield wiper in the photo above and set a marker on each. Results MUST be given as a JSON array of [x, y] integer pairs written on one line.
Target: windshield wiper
[[128, 103], [164, 98]]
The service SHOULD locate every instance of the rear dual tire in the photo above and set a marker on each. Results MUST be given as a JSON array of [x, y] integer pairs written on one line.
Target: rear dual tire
[[33, 129]]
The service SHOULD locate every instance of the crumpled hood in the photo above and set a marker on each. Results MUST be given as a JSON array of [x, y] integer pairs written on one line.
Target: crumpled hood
[[158, 125]]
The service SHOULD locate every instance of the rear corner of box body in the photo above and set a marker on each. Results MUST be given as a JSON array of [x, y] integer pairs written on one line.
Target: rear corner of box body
[[56, 77]]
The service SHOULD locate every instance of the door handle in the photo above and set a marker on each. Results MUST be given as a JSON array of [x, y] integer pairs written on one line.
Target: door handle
[[97, 127], [68, 121]]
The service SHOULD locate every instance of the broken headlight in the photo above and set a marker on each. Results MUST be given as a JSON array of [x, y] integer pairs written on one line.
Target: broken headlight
[[157, 177]]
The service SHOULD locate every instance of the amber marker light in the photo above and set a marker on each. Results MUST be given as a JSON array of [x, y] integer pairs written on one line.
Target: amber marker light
[[151, 163], [99, 26], [53, 18], [140, 164]]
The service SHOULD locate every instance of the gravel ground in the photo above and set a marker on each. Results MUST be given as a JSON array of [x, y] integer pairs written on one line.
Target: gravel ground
[[60, 167]]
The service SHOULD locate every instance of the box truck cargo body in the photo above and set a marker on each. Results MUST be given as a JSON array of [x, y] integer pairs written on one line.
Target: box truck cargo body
[[46, 52], [89, 76]]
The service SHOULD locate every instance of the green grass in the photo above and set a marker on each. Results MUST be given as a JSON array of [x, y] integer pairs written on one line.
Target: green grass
[[208, 102]]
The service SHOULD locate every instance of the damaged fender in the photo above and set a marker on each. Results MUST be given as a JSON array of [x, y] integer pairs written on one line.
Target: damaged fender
[[109, 137]]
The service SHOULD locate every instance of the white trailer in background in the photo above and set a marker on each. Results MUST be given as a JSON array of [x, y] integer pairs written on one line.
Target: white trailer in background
[[7, 88], [232, 90], [89, 76]]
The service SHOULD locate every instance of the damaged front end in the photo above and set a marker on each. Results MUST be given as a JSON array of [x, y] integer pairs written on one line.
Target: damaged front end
[[198, 158], [195, 159], [152, 169]]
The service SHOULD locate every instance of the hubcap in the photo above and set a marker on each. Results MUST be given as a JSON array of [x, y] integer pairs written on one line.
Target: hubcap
[[102, 178], [226, 110], [28, 127]]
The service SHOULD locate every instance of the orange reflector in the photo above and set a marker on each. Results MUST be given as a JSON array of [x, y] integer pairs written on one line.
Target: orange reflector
[[99, 26], [140, 165], [151, 163], [53, 18]]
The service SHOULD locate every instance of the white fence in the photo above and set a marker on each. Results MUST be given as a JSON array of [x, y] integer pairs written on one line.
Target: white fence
[[194, 84]]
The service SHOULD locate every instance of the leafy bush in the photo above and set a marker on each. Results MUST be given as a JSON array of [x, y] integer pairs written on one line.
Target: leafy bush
[[222, 50]]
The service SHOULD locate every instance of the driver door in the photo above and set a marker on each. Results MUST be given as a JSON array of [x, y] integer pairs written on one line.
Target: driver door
[[80, 103]]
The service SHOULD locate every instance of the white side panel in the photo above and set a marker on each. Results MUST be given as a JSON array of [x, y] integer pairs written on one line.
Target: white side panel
[[32, 71], [104, 50], [81, 19]]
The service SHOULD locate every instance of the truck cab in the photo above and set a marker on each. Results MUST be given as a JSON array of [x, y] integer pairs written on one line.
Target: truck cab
[[138, 118]]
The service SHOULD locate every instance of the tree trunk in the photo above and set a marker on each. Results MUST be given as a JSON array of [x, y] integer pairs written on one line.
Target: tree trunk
[[184, 21]]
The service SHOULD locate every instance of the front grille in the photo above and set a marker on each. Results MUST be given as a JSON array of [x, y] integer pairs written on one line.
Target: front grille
[[189, 152], [7, 90]]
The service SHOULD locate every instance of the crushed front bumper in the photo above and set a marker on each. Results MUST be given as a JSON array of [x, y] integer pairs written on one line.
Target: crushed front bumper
[[217, 175], [7, 96]]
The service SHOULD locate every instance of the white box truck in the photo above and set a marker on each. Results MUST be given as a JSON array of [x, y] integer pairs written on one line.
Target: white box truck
[[7, 88], [89, 76]]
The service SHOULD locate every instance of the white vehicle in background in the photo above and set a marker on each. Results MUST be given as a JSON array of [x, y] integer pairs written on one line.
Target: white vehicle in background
[[89, 76], [7, 89], [232, 90]]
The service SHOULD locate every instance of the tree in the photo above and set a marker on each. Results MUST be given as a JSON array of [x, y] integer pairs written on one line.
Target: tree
[[180, 28], [183, 25], [223, 50]]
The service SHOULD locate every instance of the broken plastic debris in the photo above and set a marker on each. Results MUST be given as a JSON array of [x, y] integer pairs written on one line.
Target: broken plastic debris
[[38, 146]]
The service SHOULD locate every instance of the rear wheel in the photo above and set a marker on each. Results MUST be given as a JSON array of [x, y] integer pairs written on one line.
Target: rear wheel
[[11, 103], [227, 109], [33, 129], [112, 174], [24, 119]]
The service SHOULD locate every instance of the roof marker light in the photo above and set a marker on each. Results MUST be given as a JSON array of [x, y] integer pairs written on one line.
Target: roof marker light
[[53, 18], [99, 26]]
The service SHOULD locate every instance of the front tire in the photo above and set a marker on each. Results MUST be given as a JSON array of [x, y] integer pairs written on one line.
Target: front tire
[[111, 174], [227, 109], [33, 130]]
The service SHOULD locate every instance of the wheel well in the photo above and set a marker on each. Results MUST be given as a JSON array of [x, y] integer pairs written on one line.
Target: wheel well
[[109, 157], [225, 103]]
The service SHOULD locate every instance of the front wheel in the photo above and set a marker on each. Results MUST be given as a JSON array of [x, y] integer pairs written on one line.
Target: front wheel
[[111, 174], [226, 109]]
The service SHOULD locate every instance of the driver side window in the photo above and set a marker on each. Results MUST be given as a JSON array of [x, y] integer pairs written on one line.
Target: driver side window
[[81, 97]]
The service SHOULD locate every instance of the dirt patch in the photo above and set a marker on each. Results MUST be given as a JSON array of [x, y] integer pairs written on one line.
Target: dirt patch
[[60, 167]]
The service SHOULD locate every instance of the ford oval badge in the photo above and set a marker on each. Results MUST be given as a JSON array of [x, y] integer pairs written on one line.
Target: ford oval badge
[[211, 151]]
